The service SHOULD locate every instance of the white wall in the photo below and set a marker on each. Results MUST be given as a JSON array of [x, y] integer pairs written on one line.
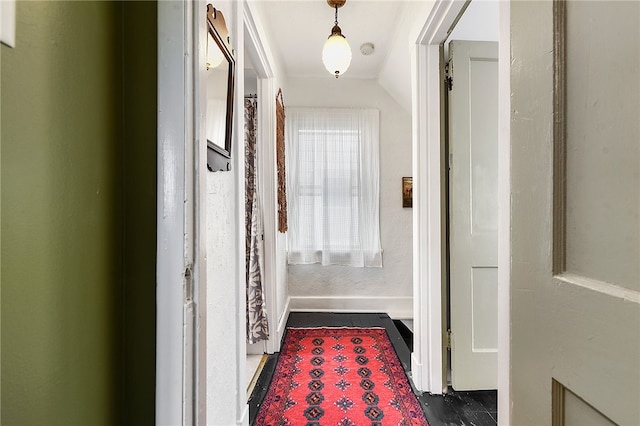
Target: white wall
[[225, 395], [395, 75], [387, 289], [224, 198], [221, 298], [479, 22], [250, 79]]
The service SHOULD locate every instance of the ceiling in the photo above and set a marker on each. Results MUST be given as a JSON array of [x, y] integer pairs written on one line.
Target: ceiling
[[297, 30]]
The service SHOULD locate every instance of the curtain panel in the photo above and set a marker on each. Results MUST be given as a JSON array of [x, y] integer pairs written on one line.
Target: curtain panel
[[257, 324], [333, 185]]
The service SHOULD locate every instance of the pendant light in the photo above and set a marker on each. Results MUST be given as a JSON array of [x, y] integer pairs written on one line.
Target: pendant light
[[336, 54]]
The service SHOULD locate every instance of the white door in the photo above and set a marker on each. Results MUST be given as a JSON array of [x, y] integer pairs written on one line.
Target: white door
[[575, 218], [473, 201]]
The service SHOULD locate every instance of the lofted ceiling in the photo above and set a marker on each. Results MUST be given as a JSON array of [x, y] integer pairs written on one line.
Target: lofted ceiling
[[297, 31]]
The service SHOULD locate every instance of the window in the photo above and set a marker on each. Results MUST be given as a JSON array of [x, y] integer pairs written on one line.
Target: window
[[333, 186]]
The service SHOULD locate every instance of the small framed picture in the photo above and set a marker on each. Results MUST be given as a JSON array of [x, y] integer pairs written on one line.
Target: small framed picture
[[407, 192]]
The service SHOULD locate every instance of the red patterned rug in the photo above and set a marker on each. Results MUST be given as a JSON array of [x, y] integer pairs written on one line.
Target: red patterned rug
[[341, 377]]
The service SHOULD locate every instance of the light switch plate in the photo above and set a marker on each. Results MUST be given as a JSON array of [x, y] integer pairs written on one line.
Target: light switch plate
[[8, 22]]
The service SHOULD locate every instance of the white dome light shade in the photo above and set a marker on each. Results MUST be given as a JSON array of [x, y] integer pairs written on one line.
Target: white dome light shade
[[336, 54]]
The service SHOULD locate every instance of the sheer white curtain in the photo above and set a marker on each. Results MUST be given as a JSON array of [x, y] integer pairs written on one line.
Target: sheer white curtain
[[215, 126], [333, 186]]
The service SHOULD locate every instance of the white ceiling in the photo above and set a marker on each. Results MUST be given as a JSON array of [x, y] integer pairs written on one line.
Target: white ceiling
[[297, 31]]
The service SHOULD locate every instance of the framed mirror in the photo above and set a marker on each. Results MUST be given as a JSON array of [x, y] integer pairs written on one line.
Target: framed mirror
[[220, 86]]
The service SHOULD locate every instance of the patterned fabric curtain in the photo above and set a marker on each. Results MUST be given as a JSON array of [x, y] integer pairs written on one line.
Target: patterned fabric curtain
[[257, 325]]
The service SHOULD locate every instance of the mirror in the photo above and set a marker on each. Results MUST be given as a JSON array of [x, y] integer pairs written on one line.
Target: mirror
[[220, 73]]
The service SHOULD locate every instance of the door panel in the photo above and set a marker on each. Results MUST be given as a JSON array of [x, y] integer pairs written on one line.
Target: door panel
[[579, 413], [484, 319], [473, 147], [602, 141], [575, 306]]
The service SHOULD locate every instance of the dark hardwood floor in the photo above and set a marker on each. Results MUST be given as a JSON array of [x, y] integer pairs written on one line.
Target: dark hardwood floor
[[477, 408]]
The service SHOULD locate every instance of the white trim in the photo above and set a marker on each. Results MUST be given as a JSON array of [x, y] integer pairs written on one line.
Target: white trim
[[504, 214], [200, 228], [258, 54], [282, 323], [244, 417], [439, 22], [268, 192], [238, 170], [173, 97], [188, 396], [427, 362], [396, 307], [602, 287]]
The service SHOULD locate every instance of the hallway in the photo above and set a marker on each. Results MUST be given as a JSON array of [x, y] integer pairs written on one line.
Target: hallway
[[455, 408], [118, 244]]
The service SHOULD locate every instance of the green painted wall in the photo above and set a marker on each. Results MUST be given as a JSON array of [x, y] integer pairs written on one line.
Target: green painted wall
[[78, 217], [140, 141]]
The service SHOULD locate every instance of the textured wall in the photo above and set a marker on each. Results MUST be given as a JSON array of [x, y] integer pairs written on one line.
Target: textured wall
[[395, 278], [225, 276], [222, 299]]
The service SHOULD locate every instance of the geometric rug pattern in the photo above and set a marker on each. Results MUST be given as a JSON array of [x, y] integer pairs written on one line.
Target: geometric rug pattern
[[339, 376]]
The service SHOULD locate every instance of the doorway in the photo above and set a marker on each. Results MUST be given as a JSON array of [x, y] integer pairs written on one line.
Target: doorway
[[430, 354], [471, 197], [259, 98], [258, 322]]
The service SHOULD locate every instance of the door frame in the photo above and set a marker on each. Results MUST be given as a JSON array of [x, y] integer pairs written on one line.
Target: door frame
[[180, 268], [181, 212], [427, 363], [259, 55]]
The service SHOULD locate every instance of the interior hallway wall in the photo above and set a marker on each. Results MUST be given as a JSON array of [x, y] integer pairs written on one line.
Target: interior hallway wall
[[78, 223], [226, 398], [140, 32], [388, 289], [225, 276]]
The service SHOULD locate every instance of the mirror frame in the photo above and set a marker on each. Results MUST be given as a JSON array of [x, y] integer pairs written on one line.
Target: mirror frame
[[219, 158]]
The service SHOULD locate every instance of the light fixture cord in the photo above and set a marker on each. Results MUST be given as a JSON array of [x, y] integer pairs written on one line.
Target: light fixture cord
[[336, 22]]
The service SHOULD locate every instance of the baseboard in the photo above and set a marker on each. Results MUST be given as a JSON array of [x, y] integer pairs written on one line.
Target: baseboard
[[282, 323], [417, 373], [395, 307], [244, 418]]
